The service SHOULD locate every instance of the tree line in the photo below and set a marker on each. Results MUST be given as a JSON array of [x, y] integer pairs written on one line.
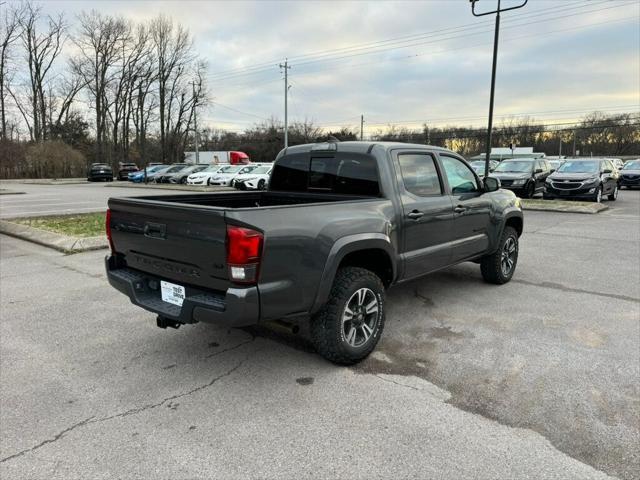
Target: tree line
[[140, 81], [596, 134]]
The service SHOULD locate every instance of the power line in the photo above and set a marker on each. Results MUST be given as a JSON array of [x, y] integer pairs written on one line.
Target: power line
[[403, 37], [373, 49]]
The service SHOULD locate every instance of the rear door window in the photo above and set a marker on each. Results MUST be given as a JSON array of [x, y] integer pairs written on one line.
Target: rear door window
[[419, 174]]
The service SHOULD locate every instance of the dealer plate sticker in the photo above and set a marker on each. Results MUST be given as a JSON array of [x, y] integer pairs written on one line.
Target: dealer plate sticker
[[172, 293]]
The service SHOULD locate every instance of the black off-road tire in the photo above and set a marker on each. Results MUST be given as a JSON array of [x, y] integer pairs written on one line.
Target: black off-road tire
[[326, 326], [491, 265]]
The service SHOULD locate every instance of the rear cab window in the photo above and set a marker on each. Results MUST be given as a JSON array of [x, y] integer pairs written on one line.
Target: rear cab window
[[351, 174]]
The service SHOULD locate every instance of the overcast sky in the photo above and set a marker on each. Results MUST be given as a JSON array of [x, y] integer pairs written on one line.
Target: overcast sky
[[558, 58]]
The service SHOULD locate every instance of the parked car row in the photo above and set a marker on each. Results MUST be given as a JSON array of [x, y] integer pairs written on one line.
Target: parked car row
[[576, 178], [254, 176]]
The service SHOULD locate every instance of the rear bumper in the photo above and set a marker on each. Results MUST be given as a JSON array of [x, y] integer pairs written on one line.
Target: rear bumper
[[99, 176], [236, 307]]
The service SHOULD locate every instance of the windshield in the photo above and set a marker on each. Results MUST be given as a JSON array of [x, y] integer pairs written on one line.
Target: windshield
[[632, 165], [248, 169], [231, 169], [261, 170], [586, 166], [517, 166]]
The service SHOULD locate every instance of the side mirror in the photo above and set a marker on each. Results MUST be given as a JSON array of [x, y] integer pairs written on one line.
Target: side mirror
[[552, 170], [538, 170], [491, 184], [606, 171]]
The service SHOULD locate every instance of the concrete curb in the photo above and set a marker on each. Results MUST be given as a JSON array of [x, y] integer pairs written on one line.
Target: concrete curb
[[46, 181], [4, 191], [563, 206], [62, 243], [162, 186]]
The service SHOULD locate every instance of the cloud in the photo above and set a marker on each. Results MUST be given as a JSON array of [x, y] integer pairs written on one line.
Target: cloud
[[553, 56]]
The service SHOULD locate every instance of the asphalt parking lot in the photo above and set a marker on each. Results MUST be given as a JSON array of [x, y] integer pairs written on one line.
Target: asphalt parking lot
[[534, 379], [63, 199]]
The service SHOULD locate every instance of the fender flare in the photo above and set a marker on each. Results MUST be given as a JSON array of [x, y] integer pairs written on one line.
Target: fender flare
[[512, 212], [341, 248]]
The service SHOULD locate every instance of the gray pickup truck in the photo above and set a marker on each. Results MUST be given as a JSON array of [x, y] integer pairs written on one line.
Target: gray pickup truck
[[339, 224]]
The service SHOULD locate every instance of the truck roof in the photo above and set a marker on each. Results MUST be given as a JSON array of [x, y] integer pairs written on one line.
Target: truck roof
[[359, 147]]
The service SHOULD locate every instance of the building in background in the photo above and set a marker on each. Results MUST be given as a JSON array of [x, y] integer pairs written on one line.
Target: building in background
[[500, 153]]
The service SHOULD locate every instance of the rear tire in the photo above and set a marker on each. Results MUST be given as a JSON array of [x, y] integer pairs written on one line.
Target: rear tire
[[348, 327], [498, 268]]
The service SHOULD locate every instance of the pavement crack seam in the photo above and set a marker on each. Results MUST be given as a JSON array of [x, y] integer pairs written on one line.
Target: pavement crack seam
[[564, 288], [215, 354], [126, 413], [388, 380], [55, 438]]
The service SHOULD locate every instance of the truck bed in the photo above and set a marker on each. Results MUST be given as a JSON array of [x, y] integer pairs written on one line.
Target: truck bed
[[233, 200]]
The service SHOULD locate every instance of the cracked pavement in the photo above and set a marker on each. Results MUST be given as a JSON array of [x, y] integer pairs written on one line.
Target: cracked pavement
[[535, 379]]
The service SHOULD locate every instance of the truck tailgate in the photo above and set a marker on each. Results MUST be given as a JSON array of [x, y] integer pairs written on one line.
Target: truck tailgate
[[180, 242]]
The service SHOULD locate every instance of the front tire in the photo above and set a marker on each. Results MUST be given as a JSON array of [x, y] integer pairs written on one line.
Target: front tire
[[261, 185], [498, 268], [598, 196], [613, 196], [348, 327], [530, 190]]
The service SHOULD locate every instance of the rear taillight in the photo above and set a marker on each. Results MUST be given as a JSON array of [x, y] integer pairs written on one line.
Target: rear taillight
[[108, 230], [244, 251]]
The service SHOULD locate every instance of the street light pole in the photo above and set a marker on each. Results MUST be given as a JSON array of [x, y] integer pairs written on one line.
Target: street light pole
[[493, 70]]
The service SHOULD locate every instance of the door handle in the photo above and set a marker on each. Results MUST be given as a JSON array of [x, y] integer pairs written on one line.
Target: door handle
[[155, 230], [460, 209], [415, 215]]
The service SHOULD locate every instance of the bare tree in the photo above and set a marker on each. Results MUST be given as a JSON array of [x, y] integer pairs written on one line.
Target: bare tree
[[173, 53], [9, 34], [98, 40], [42, 48]]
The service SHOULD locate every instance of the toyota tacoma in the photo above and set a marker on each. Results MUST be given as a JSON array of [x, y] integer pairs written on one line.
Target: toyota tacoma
[[338, 225]]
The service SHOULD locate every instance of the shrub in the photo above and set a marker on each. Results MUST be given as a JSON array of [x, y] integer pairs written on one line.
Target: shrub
[[50, 159]]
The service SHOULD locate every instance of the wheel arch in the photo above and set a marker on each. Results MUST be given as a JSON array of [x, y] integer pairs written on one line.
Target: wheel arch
[[371, 251]]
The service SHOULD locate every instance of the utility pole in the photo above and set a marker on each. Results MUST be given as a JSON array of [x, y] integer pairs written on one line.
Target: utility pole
[[195, 122], [560, 146], [361, 127], [574, 144], [286, 95], [493, 70]]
